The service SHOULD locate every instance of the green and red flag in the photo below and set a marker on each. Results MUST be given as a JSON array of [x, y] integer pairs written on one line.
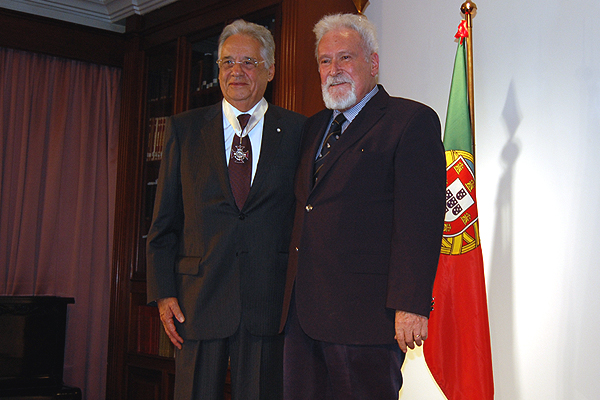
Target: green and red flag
[[458, 349]]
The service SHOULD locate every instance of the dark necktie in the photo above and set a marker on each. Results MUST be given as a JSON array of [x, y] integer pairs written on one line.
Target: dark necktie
[[240, 164], [335, 131]]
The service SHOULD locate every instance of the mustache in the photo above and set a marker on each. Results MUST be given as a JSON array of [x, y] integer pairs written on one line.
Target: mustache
[[337, 80]]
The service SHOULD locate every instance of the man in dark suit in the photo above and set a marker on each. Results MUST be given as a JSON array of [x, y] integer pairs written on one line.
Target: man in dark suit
[[367, 231], [217, 248]]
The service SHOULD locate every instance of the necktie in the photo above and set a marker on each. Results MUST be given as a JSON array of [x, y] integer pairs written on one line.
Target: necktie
[[240, 164], [335, 131]]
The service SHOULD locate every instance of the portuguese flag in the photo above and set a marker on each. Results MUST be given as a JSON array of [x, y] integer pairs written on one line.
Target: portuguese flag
[[458, 350]]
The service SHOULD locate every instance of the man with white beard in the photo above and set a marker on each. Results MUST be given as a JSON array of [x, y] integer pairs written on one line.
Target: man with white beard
[[370, 191]]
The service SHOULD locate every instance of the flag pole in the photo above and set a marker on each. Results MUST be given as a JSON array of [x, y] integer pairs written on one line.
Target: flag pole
[[468, 9], [360, 5]]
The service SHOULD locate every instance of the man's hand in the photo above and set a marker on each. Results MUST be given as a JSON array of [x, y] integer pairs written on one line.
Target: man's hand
[[411, 329], [169, 308]]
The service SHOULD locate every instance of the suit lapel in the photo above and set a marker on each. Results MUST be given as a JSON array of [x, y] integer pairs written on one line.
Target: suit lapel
[[313, 144], [213, 140], [271, 138]]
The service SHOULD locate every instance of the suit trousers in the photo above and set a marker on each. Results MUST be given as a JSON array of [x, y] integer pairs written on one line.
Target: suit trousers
[[315, 370], [255, 362]]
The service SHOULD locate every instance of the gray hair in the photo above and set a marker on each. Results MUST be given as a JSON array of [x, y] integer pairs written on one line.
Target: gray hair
[[358, 23], [258, 32]]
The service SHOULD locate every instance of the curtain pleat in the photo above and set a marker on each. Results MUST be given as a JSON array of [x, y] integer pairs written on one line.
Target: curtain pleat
[[58, 157]]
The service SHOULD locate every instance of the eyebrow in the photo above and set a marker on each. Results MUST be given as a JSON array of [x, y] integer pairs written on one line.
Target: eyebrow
[[339, 53]]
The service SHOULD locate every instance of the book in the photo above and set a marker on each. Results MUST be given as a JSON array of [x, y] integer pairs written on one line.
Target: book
[[156, 137], [165, 347]]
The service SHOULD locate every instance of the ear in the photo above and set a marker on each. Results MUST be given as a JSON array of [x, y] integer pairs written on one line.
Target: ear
[[374, 64], [271, 71]]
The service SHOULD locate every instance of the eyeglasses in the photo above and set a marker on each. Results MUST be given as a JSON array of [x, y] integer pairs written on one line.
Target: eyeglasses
[[247, 64]]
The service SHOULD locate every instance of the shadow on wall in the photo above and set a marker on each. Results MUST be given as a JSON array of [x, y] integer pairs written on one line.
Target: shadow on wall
[[501, 280], [581, 326]]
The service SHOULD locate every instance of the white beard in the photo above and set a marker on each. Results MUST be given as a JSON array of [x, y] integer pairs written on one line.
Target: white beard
[[341, 101]]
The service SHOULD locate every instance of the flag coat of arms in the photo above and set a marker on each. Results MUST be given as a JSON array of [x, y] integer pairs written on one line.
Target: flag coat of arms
[[458, 348]]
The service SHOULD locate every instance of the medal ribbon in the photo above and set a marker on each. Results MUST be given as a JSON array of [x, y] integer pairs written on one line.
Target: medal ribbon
[[257, 115]]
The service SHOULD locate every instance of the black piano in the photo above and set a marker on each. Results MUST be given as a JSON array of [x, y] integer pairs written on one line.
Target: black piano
[[32, 348]]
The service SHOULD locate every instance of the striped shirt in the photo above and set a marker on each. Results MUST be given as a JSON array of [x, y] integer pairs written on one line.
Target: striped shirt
[[350, 114]]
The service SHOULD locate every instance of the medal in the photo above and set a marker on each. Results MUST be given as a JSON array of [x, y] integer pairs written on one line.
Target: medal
[[240, 155]]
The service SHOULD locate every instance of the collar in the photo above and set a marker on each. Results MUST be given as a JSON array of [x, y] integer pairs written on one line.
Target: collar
[[256, 114]]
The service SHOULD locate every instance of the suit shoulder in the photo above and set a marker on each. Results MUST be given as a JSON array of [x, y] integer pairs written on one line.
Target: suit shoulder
[[284, 113], [319, 117], [409, 104], [324, 113], [207, 112]]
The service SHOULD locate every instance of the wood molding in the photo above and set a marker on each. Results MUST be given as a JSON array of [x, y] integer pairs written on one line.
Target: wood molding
[[285, 95], [182, 75], [175, 20], [127, 213], [60, 39], [299, 87]]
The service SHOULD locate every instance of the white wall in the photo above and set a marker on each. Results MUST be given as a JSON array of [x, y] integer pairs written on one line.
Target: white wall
[[537, 106]]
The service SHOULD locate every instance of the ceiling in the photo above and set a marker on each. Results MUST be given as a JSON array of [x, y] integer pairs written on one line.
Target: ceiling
[[104, 14]]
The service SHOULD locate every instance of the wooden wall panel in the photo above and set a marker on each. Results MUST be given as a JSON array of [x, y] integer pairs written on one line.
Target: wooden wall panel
[[61, 39], [299, 88]]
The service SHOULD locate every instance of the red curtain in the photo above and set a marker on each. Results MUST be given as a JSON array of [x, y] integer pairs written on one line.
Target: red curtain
[[58, 157]]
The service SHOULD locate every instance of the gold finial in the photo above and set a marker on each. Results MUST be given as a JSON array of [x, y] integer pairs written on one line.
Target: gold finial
[[360, 5], [468, 7]]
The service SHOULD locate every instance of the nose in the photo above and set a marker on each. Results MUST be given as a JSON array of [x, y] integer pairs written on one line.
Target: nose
[[237, 69], [334, 68]]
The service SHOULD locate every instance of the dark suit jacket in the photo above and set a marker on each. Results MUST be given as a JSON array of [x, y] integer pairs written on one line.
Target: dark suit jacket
[[223, 264], [367, 236]]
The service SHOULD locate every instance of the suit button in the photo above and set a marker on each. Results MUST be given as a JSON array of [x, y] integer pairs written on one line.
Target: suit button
[[309, 208], [242, 216]]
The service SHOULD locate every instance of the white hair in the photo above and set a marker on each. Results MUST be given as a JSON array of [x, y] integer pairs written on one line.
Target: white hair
[[358, 23], [255, 31]]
